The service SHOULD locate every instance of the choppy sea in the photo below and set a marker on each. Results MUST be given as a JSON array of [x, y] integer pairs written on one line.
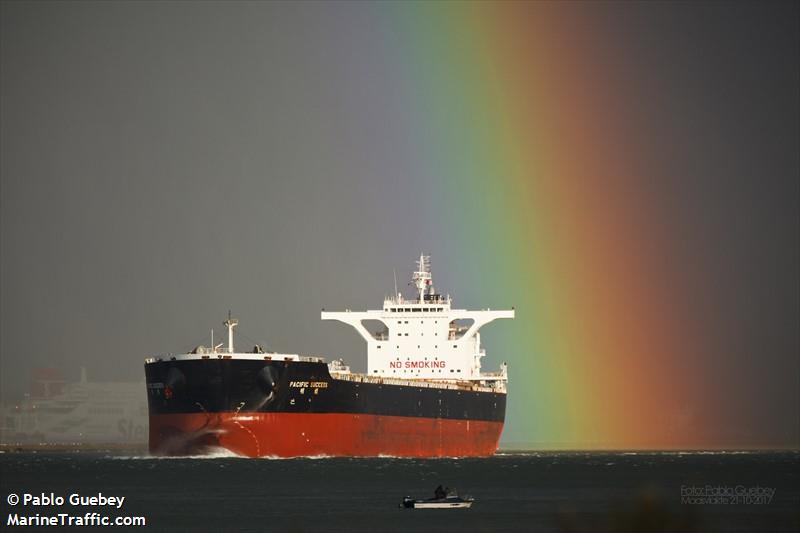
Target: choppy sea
[[530, 492]]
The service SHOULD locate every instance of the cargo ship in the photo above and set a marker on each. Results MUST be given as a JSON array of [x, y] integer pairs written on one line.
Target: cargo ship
[[423, 395]]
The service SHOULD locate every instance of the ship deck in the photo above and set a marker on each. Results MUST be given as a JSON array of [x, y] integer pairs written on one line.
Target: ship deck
[[462, 385], [246, 356]]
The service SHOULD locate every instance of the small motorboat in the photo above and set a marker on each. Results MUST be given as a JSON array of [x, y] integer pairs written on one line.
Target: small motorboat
[[443, 499]]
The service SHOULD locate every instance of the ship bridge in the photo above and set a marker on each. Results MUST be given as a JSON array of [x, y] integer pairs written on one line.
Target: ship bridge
[[424, 337]]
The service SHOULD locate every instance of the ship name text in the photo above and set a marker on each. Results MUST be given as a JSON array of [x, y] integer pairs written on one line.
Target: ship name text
[[309, 384]]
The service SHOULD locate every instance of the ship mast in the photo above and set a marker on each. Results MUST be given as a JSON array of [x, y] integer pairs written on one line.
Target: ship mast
[[422, 277], [230, 324]]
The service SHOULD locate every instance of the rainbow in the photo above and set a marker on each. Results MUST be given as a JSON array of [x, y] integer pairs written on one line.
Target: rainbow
[[521, 112]]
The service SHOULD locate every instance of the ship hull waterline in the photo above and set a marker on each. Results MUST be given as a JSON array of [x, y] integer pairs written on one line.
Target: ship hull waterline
[[281, 434]]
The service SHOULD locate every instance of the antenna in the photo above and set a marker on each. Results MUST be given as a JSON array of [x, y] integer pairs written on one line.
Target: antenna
[[396, 294], [422, 277]]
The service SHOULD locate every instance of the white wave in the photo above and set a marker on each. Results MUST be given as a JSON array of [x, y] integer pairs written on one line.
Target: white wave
[[213, 453]]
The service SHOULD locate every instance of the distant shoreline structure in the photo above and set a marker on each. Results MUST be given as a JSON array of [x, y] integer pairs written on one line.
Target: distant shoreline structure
[[111, 447], [141, 449]]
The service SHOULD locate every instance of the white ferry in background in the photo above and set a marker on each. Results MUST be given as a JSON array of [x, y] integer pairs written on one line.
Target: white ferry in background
[[84, 413]]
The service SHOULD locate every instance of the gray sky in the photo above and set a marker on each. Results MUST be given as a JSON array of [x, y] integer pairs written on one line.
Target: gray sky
[[162, 163]]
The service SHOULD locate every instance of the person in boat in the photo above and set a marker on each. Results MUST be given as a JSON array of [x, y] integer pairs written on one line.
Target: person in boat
[[439, 493]]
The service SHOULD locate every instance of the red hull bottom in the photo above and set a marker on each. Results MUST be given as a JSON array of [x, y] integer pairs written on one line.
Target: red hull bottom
[[333, 434]]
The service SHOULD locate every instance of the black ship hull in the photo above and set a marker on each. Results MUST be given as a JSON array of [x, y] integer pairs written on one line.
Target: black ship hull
[[286, 408]]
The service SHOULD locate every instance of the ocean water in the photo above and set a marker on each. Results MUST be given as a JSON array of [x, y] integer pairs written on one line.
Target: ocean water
[[530, 492]]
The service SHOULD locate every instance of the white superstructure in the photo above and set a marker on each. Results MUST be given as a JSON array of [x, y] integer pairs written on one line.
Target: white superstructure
[[423, 338]]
